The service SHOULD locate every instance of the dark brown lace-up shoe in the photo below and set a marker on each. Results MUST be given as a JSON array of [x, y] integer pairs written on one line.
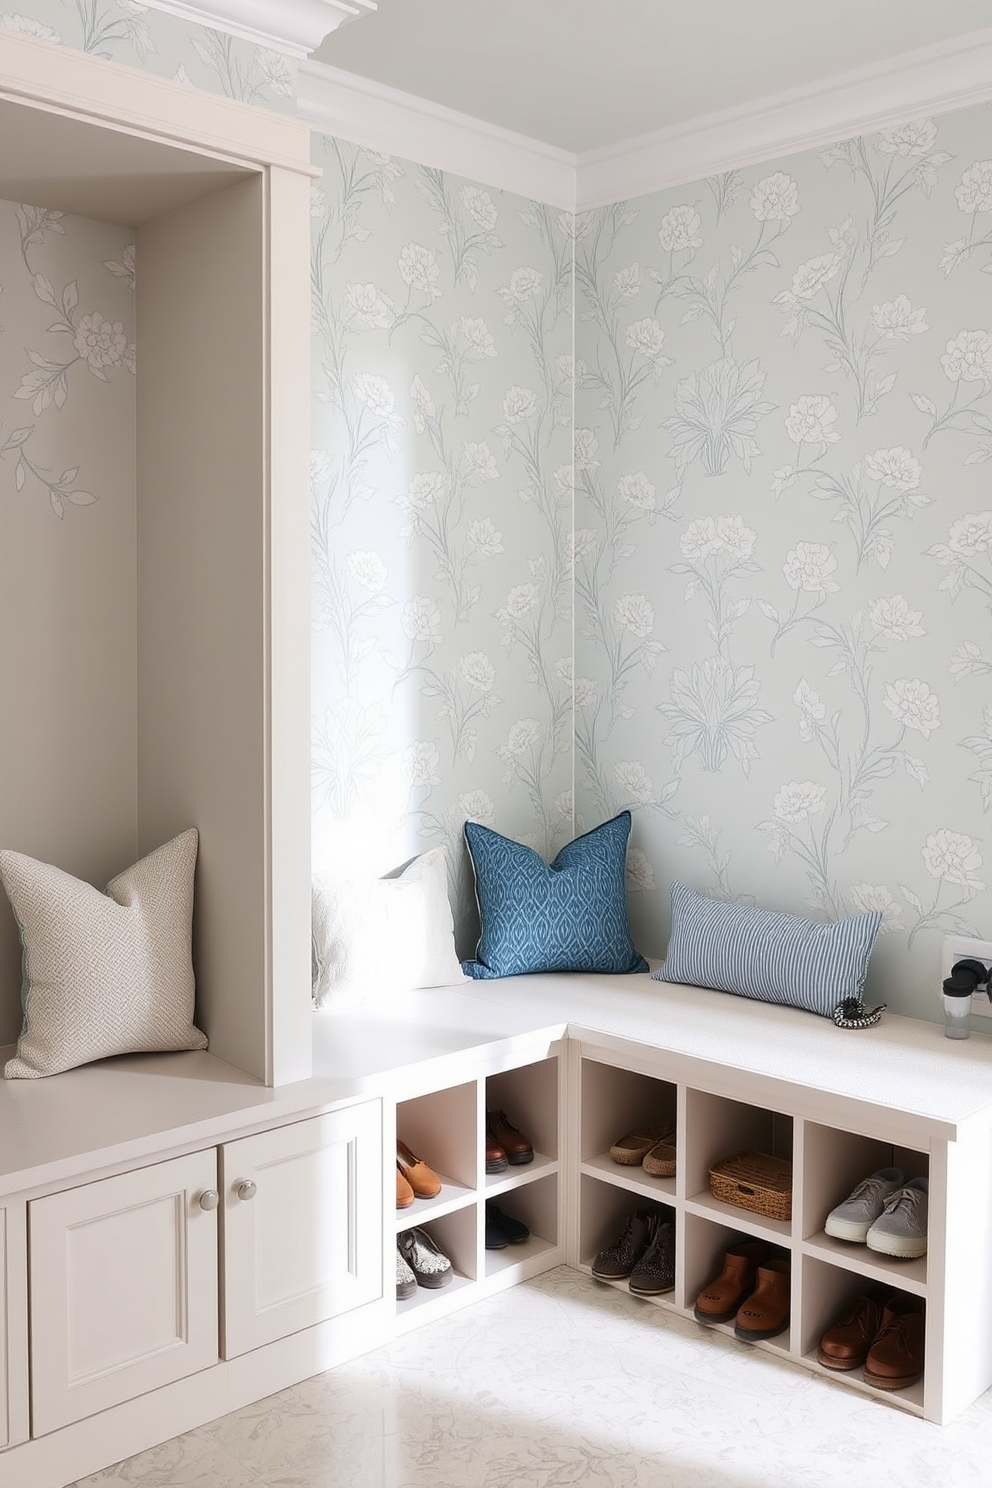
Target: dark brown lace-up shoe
[[846, 1342], [895, 1359]]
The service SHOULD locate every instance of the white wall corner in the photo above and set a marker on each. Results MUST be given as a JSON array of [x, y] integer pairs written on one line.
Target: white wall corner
[[296, 27], [931, 80], [396, 123]]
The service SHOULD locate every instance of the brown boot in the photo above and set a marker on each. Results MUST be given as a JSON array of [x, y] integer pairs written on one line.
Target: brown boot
[[720, 1298], [766, 1311]]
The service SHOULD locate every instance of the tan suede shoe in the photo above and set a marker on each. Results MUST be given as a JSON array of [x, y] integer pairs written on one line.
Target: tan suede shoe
[[404, 1193], [423, 1180]]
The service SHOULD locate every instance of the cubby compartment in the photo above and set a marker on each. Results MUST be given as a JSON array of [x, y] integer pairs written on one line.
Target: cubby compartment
[[456, 1235], [717, 1128], [442, 1129], [705, 1244], [537, 1205], [834, 1163], [529, 1098], [615, 1102], [603, 1209], [827, 1292]]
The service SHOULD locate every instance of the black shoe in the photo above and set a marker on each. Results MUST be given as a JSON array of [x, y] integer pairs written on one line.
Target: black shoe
[[655, 1271], [502, 1229], [615, 1262]]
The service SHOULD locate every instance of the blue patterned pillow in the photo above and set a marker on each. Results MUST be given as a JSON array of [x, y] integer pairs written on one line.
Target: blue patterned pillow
[[571, 916], [767, 955]]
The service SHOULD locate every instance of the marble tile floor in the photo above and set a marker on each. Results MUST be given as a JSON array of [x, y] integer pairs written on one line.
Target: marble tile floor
[[564, 1383]]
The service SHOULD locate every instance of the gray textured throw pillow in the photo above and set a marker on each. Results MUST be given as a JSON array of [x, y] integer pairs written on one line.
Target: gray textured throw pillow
[[104, 973]]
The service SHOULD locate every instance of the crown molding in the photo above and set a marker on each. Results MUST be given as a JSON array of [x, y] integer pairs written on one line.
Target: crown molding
[[396, 123], [296, 27], [930, 80]]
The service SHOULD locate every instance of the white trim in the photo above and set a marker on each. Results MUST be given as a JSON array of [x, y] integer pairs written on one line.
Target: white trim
[[931, 80], [936, 79], [396, 123], [293, 26]]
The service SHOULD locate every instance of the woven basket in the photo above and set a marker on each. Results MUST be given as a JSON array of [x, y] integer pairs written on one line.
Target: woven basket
[[755, 1181]]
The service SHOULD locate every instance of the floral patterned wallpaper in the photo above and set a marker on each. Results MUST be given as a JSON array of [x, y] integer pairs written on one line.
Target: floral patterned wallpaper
[[441, 476], [67, 550], [761, 616], [784, 538], [137, 35]]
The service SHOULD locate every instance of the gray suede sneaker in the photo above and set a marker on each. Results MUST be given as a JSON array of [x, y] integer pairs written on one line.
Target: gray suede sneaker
[[901, 1228], [854, 1218]]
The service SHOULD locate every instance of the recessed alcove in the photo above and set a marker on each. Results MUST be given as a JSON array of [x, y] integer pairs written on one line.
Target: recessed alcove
[[202, 702]]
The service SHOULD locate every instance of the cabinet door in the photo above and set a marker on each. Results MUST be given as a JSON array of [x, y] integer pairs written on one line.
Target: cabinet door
[[302, 1225], [123, 1288], [4, 1348]]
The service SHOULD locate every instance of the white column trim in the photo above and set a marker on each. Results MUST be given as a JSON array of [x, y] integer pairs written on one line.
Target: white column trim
[[380, 118], [296, 27]]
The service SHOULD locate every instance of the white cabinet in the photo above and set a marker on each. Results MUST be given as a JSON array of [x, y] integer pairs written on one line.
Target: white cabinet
[[302, 1222], [123, 1282], [13, 1325]]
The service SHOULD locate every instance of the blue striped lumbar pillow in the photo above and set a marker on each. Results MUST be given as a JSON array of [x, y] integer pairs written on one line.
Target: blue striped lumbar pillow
[[765, 954], [569, 915]]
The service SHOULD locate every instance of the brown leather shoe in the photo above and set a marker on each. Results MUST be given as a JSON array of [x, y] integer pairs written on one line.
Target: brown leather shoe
[[516, 1146], [720, 1298], [895, 1359], [496, 1159], [422, 1179], [846, 1342], [766, 1311], [404, 1193]]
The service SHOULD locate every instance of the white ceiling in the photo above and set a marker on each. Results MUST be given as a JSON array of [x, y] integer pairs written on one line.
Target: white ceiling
[[582, 74]]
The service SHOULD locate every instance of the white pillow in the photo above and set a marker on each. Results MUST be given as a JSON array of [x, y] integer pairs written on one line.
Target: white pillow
[[383, 935], [104, 973]]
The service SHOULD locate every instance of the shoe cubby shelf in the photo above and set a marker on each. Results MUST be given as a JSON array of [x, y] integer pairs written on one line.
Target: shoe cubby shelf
[[446, 1128], [826, 1274], [577, 1062]]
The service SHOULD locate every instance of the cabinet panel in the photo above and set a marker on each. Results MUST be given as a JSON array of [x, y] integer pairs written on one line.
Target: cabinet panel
[[4, 1336], [302, 1225], [123, 1288]]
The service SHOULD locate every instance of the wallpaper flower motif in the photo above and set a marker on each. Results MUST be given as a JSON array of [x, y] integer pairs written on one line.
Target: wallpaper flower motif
[[138, 35], [85, 340], [819, 573], [441, 483]]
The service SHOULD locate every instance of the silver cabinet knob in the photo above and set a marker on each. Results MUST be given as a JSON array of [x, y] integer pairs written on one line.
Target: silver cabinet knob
[[209, 1199], [246, 1189]]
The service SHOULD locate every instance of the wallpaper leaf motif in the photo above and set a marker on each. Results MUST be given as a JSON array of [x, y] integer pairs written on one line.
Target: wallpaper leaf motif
[[825, 624], [443, 396], [97, 343], [133, 33]]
